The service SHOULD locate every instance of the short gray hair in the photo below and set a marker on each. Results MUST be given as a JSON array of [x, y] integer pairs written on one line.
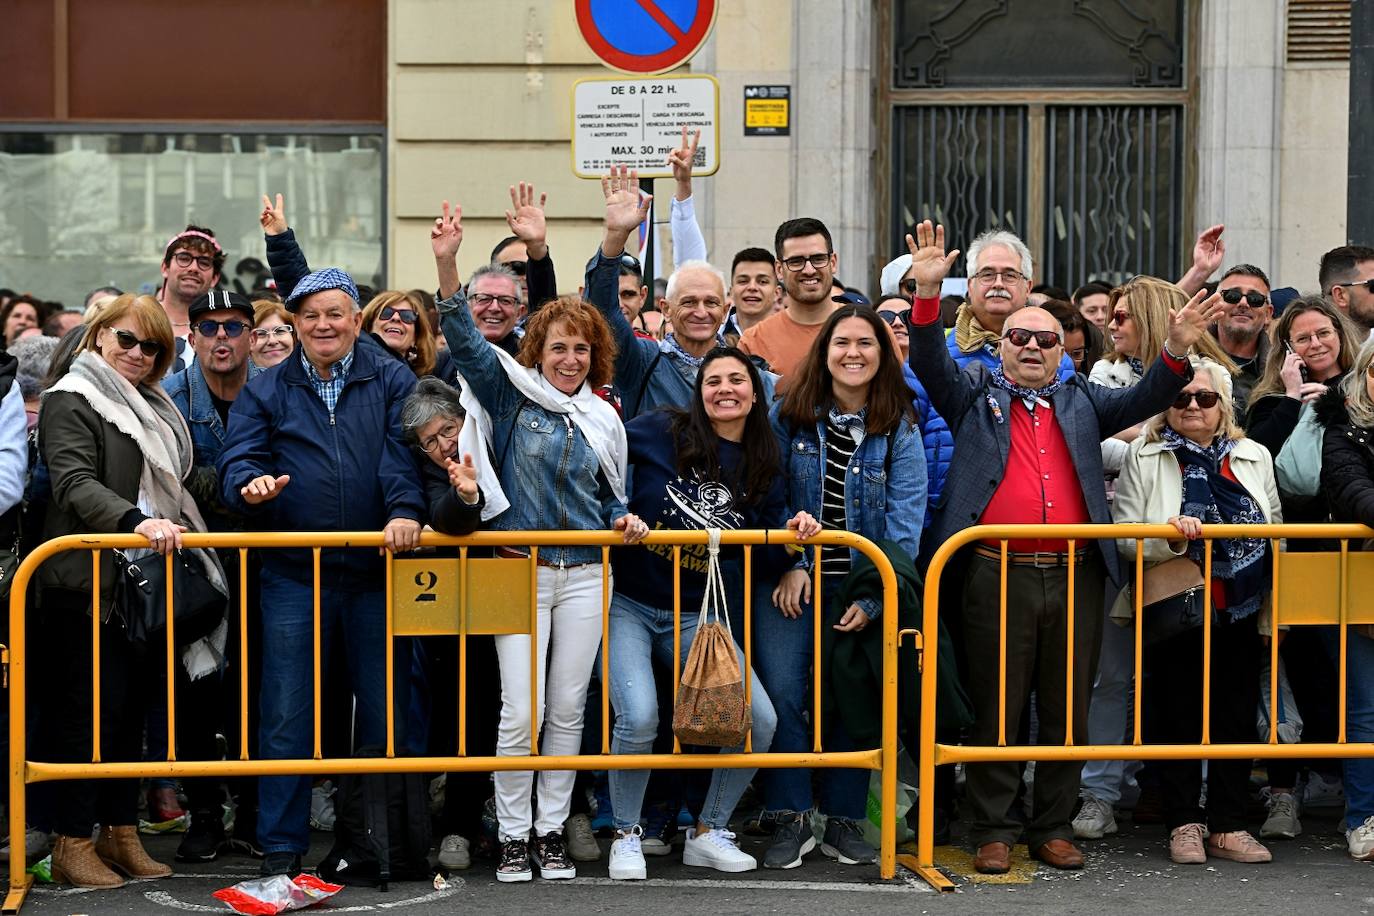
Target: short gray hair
[[430, 400], [1005, 239], [34, 354], [695, 264], [494, 270]]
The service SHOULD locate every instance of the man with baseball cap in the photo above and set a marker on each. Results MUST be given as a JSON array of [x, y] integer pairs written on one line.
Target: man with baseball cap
[[315, 443], [203, 392]]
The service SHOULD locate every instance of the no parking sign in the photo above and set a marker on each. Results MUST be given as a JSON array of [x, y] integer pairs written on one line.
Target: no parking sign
[[645, 36]]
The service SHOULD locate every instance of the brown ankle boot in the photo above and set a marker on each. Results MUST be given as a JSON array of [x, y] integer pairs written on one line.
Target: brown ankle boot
[[74, 862], [120, 848]]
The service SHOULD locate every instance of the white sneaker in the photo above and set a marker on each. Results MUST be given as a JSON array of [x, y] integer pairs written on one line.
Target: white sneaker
[[1282, 822], [716, 849], [627, 859], [322, 806], [1095, 819], [1321, 793], [1360, 841]]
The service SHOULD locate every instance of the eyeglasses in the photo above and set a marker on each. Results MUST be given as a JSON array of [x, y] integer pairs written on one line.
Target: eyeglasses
[[1253, 299], [389, 312], [186, 259], [128, 341], [1077, 353], [799, 262], [1121, 316], [447, 432], [1205, 399], [1021, 336], [1367, 284], [1008, 277], [482, 300], [1325, 335], [281, 330], [208, 328], [893, 319]]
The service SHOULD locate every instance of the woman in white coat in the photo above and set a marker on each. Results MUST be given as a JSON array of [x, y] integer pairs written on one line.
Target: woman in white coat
[[1193, 465]]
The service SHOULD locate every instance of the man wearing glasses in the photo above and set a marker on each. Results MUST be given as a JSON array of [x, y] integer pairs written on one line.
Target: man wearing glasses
[[1030, 453], [1347, 279], [191, 264], [493, 297], [203, 392], [1244, 290]]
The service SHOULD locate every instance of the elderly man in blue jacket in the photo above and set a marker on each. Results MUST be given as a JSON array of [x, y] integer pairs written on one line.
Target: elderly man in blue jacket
[[1029, 447], [315, 443]]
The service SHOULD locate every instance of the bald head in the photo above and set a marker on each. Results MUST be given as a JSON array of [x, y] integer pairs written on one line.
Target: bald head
[[1029, 364]]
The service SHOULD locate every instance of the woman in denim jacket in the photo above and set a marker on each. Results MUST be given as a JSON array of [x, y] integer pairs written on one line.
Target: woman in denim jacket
[[852, 454], [560, 465]]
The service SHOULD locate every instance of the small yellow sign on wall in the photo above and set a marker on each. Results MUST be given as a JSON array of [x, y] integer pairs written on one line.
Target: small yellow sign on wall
[[767, 111]]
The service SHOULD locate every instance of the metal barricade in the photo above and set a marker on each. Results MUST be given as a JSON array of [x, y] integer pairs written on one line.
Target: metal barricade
[[1309, 589], [429, 596]]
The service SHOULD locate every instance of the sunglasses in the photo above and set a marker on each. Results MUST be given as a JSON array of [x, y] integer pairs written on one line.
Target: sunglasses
[[1020, 337], [1121, 316], [210, 328], [1205, 399], [909, 286], [893, 319], [389, 312], [1367, 284], [1253, 299], [128, 341]]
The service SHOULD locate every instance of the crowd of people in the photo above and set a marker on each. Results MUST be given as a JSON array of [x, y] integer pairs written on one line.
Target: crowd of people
[[773, 396]]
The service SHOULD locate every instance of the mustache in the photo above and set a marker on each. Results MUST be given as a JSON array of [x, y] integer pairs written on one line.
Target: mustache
[[998, 294]]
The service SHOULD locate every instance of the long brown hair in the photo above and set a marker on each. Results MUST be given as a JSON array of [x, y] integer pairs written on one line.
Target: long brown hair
[[810, 392]]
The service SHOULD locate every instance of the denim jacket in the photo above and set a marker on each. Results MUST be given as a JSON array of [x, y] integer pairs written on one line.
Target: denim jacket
[[549, 472], [191, 395], [885, 497]]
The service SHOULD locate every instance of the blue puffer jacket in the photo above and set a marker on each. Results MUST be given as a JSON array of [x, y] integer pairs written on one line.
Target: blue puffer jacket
[[936, 440], [349, 472]]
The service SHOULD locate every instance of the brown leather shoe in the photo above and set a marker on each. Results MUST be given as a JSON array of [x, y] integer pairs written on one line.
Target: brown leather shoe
[[120, 848], [74, 862], [1059, 854], [993, 859]]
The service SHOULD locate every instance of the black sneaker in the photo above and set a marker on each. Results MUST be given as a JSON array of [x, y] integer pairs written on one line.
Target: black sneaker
[[844, 842], [203, 838], [515, 861], [792, 839], [552, 855], [280, 863]]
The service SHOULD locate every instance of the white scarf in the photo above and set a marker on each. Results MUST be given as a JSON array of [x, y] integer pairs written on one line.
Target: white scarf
[[595, 419], [147, 415]]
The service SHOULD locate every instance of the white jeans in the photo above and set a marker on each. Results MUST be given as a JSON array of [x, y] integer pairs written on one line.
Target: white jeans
[[569, 636]]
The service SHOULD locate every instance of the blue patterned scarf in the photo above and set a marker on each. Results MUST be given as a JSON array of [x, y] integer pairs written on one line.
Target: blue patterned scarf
[[685, 363], [1241, 564], [1137, 367], [999, 378]]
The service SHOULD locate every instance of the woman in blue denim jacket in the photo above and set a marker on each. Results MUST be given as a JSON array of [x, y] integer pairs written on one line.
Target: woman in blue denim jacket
[[560, 464], [853, 457]]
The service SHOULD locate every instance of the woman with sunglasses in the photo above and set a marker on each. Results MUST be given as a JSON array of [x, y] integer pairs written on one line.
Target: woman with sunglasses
[[1346, 412], [1194, 466], [397, 321], [1138, 315], [274, 333], [893, 311], [117, 452], [852, 457], [1313, 347]]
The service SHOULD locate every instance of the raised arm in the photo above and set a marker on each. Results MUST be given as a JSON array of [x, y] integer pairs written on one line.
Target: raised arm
[[1208, 252], [929, 357], [527, 223], [284, 254], [688, 242]]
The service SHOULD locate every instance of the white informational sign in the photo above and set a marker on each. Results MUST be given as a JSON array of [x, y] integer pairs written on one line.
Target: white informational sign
[[638, 122]]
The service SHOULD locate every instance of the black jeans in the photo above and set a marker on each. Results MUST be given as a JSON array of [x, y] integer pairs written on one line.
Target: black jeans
[[66, 635], [1174, 691]]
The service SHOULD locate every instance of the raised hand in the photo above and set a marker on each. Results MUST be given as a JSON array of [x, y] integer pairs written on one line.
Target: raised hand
[[463, 478], [681, 160], [447, 235], [273, 218], [929, 263], [1188, 324], [526, 218], [626, 208], [1209, 250]]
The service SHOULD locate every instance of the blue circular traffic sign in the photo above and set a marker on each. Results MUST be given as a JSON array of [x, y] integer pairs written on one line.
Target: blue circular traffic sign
[[645, 36]]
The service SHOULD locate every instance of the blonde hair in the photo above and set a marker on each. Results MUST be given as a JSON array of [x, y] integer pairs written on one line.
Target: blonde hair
[[422, 363], [1357, 400], [1148, 301], [1221, 383], [148, 312]]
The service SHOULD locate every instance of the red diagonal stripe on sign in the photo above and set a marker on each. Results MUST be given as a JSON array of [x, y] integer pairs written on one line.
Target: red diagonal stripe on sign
[[662, 18]]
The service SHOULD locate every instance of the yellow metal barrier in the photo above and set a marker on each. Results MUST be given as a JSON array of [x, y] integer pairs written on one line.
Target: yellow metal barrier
[[1309, 589], [430, 596]]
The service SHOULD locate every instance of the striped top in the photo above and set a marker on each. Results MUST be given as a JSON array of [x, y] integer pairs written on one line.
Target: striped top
[[839, 453]]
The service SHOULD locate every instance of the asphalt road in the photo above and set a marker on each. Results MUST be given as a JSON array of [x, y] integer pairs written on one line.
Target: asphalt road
[[1127, 873]]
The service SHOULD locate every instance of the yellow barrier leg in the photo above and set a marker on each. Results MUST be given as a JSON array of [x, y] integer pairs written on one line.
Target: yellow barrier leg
[[20, 880]]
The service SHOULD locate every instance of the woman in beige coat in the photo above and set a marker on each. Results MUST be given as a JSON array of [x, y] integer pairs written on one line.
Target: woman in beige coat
[[1193, 465]]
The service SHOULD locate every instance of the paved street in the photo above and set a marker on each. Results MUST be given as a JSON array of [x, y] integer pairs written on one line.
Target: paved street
[[1128, 873]]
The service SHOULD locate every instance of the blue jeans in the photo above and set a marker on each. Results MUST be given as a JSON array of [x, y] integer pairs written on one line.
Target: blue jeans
[[1358, 772], [639, 634], [784, 649], [287, 728]]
